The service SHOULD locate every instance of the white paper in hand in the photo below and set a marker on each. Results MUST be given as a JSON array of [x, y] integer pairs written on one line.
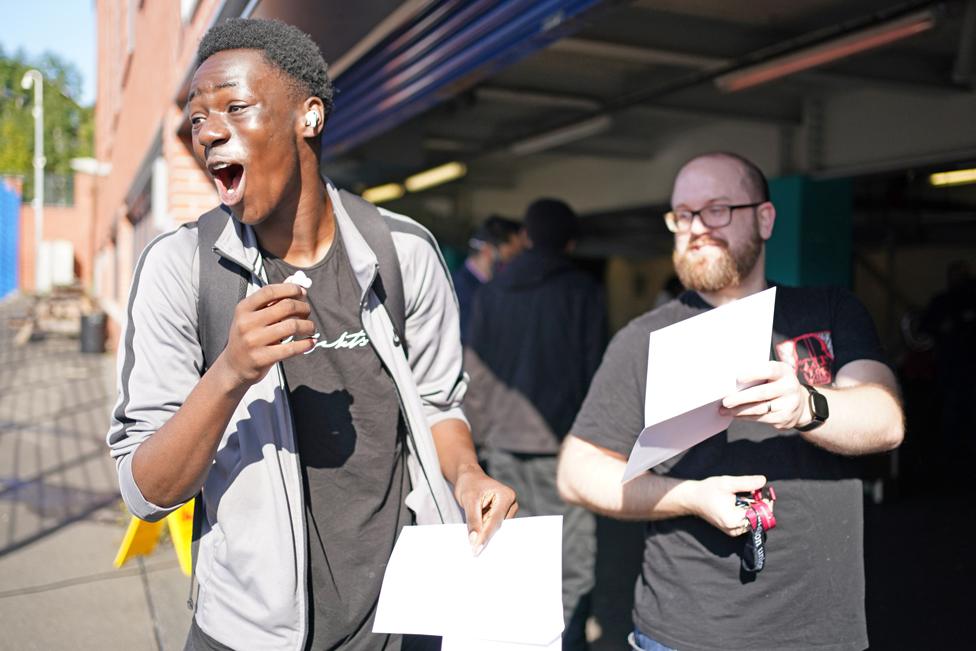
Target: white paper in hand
[[456, 643], [691, 366], [511, 593], [298, 278]]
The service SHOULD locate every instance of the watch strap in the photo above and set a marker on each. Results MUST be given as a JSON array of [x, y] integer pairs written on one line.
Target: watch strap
[[818, 419]]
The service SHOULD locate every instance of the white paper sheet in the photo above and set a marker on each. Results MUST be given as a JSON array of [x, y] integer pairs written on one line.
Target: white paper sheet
[[456, 643], [511, 593], [691, 366]]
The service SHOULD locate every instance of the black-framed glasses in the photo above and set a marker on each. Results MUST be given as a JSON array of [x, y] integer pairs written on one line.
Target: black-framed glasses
[[714, 216]]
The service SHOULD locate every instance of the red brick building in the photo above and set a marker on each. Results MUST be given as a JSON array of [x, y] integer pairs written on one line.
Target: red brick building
[[62, 223], [145, 54]]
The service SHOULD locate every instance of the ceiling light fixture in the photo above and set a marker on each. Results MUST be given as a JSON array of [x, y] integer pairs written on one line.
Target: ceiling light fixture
[[828, 52], [383, 193], [436, 176], [954, 177], [562, 136]]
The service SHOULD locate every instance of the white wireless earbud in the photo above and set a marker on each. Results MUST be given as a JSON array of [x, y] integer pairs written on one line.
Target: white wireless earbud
[[312, 119]]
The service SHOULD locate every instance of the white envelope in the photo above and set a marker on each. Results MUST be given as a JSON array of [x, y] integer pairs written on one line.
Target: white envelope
[[691, 366], [511, 593]]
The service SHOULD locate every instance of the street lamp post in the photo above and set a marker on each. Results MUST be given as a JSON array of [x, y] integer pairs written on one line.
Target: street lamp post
[[36, 79]]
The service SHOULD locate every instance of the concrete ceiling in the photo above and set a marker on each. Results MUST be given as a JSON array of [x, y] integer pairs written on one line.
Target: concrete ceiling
[[644, 71], [650, 66]]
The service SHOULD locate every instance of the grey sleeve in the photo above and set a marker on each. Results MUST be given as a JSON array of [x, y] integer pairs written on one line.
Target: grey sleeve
[[159, 358], [433, 325], [612, 414]]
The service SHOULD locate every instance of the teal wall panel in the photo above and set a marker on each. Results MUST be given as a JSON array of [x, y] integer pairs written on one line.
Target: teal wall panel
[[812, 238]]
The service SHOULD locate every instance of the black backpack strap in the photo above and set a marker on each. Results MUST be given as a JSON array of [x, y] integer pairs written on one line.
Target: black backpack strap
[[376, 232], [198, 513], [221, 286]]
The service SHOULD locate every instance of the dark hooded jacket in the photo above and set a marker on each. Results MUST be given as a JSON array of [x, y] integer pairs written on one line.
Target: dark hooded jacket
[[535, 340]]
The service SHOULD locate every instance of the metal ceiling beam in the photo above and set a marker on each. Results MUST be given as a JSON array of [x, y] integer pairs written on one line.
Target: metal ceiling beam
[[704, 63], [437, 143], [636, 54], [721, 113], [544, 99]]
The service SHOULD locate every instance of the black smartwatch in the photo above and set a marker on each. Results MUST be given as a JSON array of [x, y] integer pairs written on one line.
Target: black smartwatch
[[818, 408]]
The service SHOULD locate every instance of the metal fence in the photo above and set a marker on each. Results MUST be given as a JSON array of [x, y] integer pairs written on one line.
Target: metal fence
[[59, 189]]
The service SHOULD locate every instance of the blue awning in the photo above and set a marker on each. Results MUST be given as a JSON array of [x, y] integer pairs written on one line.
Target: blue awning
[[443, 51]]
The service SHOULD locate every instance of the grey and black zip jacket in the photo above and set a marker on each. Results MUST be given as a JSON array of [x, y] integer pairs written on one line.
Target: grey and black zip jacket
[[252, 565]]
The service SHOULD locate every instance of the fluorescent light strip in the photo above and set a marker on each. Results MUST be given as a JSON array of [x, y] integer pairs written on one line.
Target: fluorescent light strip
[[955, 177], [824, 53], [383, 193], [436, 176]]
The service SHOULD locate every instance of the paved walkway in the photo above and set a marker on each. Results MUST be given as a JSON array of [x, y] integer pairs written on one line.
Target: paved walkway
[[61, 518]]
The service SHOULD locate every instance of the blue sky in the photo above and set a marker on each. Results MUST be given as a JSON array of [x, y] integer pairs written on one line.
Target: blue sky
[[66, 27]]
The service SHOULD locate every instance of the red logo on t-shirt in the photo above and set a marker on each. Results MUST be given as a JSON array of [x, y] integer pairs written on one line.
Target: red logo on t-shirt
[[811, 356]]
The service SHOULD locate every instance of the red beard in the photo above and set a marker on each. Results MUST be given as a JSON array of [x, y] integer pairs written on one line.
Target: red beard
[[711, 274]]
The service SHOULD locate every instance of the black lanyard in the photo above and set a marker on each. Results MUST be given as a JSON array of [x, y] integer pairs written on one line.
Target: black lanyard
[[760, 517]]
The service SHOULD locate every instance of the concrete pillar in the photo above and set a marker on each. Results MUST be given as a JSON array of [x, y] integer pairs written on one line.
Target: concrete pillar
[[812, 238]]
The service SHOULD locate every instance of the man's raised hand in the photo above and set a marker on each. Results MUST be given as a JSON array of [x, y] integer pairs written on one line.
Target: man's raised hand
[[262, 322], [774, 396]]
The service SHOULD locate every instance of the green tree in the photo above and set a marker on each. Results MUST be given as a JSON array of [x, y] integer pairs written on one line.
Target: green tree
[[68, 126]]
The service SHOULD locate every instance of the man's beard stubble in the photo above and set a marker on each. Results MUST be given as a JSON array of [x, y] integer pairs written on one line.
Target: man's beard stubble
[[712, 275]]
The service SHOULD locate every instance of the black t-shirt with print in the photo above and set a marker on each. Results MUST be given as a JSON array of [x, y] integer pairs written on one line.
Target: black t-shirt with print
[[691, 593], [351, 444]]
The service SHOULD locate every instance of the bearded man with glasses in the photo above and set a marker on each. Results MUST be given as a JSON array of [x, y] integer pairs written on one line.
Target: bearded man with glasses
[[694, 591]]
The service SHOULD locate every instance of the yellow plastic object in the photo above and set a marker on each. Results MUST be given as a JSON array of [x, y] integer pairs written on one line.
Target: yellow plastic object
[[181, 531], [141, 537]]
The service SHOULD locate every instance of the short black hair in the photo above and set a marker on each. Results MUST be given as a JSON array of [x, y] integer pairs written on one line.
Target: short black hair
[[494, 230], [284, 46], [551, 224], [501, 228]]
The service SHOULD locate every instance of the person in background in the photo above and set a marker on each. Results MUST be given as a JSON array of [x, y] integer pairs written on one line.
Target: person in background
[[493, 245], [537, 333], [950, 321], [825, 397]]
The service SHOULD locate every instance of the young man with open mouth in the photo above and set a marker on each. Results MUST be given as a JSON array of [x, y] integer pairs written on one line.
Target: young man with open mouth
[[306, 453]]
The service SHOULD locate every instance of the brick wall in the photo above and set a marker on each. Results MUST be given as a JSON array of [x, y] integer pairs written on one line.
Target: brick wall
[[144, 61], [191, 192], [72, 223]]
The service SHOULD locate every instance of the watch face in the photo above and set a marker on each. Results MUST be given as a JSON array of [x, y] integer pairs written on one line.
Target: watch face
[[818, 405]]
